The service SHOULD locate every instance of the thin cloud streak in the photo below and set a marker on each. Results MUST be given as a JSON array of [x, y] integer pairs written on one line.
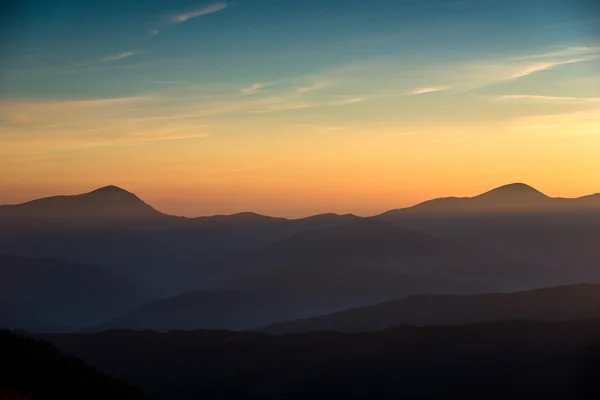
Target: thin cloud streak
[[546, 99], [118, 56], [314, 86], [347, 101], [174, 137], [299, 106], [486, 73], [106, 59], [254, 88], [425, 90], [205, 10], [51, 105]]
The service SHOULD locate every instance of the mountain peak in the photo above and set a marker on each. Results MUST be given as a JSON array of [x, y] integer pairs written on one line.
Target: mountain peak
[[108, 203], [110, 189], [514, 190]]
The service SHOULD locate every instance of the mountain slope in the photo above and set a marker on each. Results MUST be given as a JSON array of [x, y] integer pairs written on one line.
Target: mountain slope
[[49, 294], [519, 223], [372, 244], [278, 296], [106, 204], [33, 369], [113, 228], [552, 304], [515, 197]]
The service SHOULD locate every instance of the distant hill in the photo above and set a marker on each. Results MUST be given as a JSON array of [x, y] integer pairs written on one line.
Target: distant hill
[[102, 205], [312, 294], [552, 304], [500, 360], [519, 223], [33, 369], [114, 229], [371, 244], [515, 197], [45, 295], [278, 296]]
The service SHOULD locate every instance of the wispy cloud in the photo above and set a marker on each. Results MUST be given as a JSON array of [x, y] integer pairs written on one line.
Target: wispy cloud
[[106, 59], [169, 82], [478, 74], [314, 86], [346, 101], [51, 105], [564, 52], [118, 56], [425, 90], [171, 137], [528, 98], [291, 105], [519, 67], [254, 88], [198, 12]]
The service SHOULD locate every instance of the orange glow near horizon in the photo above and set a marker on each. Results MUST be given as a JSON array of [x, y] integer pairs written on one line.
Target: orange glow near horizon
[[341, 173]]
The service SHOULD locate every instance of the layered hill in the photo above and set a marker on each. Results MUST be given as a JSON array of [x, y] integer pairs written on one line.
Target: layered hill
[[371, 244], [45, 295], [115, 229], [278, 296], [551, 304], [517, 222]]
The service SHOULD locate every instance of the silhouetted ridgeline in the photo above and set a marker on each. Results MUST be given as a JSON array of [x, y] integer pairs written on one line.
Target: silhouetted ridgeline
[[563, 303], [516, 360], [514, 238], [36, 370]]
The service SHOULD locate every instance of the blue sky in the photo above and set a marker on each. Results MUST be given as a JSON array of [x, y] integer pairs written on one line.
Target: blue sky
[[250, 92], [76, 49]]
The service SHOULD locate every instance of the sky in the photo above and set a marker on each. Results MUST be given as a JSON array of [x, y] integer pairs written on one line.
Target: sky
[[292, 108]]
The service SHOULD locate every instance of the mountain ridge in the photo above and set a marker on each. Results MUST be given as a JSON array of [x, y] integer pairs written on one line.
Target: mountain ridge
[[509, 197], [560, 303]]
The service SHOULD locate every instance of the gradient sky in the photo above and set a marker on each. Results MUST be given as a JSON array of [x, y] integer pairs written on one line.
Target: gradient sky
[[291, 108]]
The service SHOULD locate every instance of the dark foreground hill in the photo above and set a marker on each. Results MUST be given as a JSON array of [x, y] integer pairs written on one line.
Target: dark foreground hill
[[517, 360], [562, 303], [33, 369]]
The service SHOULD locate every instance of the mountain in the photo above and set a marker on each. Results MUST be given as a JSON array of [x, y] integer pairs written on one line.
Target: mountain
[[519, 223], [515, 251], [373, 245], [500, 360], [552, 304], [277, 296], [40, 294], [33, 369], [114, 229], [102, 205], [515, 197]]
